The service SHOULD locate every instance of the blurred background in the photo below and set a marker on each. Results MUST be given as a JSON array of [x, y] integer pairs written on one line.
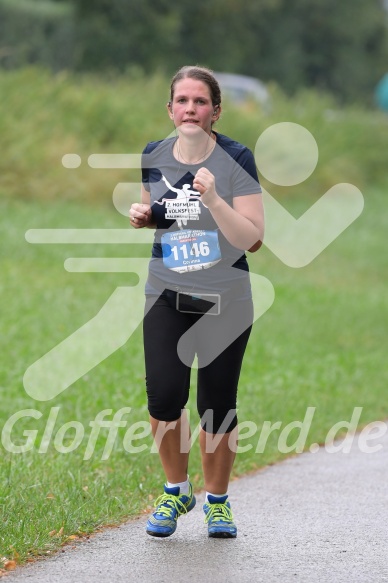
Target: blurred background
[[82, 77], [85, 77], [340, 47]]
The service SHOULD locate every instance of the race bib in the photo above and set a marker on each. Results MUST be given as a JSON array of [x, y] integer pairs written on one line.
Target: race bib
[[190, 250]]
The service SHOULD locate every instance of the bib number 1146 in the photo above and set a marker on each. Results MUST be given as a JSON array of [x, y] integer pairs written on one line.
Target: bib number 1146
[[190, 250], [197, 249]]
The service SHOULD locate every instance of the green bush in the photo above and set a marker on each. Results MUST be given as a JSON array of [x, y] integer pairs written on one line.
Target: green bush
[[45, 116], [36, 32]]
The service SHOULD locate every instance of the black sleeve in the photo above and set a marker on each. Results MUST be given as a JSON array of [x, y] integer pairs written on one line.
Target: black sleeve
[[245, 179], [145, 172]]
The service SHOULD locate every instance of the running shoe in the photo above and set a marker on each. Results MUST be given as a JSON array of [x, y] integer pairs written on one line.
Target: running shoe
[[169, 507], [219, 518]]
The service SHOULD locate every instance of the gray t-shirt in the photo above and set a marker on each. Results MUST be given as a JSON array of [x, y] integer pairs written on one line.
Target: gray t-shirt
[[189, 250]]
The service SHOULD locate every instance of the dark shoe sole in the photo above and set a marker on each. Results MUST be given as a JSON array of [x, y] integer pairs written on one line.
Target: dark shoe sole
[[159, 534], [222, 535]]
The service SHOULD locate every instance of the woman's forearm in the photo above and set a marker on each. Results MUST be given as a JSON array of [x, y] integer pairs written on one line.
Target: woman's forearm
[[237, 229]]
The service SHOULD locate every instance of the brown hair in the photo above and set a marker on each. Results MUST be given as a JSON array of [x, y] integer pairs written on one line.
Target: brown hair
[[201, 74]]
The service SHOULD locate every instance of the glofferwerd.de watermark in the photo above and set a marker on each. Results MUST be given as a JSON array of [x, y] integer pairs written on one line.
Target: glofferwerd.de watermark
[[72, 435]]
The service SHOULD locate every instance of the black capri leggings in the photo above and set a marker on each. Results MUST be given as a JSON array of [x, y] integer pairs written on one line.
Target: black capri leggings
[[168, 373]]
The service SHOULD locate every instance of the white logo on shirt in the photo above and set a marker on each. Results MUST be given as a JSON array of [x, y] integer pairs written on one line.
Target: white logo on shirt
[[181, 209]]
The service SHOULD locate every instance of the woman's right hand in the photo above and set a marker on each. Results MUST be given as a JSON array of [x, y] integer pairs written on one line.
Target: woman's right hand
[[140, 215]]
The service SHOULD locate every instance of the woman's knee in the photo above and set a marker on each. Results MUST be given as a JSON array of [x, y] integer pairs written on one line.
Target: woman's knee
[[218, 420], [166, 402]]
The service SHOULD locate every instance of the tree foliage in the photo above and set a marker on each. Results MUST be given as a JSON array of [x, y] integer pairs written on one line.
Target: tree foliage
[[341, 47], [36, 32]]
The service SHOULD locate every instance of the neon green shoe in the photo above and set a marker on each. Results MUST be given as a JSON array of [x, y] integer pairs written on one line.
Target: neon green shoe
[[169, 507], [219, 518]]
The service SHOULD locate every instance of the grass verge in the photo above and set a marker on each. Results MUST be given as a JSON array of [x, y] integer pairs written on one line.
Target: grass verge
[[323, 344]]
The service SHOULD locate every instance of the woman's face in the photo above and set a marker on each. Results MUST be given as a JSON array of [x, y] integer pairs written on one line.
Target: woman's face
[[192, 106]]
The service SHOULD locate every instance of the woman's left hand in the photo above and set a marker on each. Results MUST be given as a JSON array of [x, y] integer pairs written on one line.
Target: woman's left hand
[[205, 183]]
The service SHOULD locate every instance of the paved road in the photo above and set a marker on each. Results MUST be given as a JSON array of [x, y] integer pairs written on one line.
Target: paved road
[[317, 517]]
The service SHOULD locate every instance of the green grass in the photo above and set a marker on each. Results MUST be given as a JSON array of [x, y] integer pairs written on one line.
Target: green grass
[[322, 344]]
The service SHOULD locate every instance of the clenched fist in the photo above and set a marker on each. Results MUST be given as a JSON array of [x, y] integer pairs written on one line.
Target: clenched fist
[[140, 215], [204, 182]]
